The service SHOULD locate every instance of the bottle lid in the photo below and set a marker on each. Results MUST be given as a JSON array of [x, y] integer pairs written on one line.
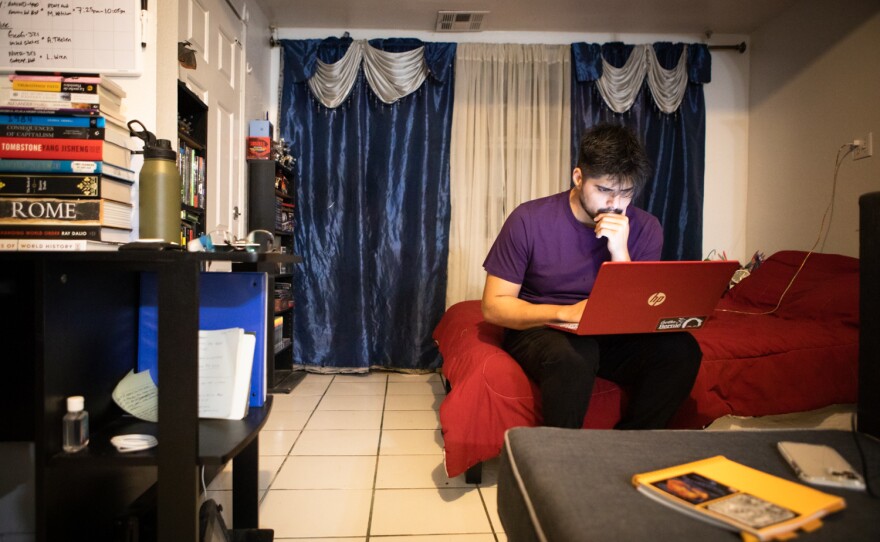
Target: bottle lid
[[161, 150], [75, 403], [153, 148]]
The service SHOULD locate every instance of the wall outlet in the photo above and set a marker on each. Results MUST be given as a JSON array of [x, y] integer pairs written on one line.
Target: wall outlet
[[866, 149]]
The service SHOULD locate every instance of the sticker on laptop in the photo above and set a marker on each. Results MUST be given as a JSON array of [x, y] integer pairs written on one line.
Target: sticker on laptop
[[688, 322]]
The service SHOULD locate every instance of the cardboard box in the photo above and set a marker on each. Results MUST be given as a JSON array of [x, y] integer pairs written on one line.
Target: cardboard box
[[260, 128]]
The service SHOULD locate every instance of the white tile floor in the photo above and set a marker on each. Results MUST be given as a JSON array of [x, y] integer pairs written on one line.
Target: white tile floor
[[359, 458]]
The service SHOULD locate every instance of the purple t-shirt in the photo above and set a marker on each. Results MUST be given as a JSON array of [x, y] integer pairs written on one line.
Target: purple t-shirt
[[554, 257]]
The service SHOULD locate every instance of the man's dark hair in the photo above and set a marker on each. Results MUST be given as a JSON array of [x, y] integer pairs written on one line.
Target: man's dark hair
[[615, 151]]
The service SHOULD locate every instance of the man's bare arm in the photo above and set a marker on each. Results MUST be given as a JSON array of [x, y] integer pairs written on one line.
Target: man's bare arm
[[502, 307]]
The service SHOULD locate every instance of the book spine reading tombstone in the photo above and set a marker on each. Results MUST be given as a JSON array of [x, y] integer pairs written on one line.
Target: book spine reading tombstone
[[64, 149]]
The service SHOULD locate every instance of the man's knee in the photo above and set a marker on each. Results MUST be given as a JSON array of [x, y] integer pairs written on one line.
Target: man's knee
[[571, 366], [551, 354], [684, 354]]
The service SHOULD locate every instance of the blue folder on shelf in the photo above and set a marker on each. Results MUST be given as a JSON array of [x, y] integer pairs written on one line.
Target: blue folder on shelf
[[225, 300]]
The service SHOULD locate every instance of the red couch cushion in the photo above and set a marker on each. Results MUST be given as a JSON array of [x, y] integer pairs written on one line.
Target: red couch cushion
[[801, 356], [491, 393]]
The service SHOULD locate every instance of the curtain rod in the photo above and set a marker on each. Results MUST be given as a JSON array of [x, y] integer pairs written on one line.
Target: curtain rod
[[741, 47]]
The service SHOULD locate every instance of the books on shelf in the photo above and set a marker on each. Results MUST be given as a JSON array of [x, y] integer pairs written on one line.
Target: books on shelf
[[278, 332], [739, 498], [14, 165], [60, 185], [65, 162], [88, 93], [191, 166], [283, 215], [52, 126], [38, 148], [55, 245], [61, 212], [95, 99], [63, 82], [68, 231]]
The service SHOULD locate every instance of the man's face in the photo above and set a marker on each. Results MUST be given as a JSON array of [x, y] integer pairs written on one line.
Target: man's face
[[599, 195]]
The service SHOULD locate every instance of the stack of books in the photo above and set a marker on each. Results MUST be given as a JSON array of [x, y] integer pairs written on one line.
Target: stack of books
[[283, 296], [283, 215], [65, 163]]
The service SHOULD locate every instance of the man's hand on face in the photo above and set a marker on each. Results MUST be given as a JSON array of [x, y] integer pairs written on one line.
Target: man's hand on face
[[615, 228]]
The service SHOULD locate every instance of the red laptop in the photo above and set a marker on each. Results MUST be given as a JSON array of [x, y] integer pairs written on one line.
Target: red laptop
[[644, 297]]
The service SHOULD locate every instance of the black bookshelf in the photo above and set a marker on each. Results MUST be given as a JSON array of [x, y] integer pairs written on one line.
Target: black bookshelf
[[78, 336], [192, 160], [270, 208]]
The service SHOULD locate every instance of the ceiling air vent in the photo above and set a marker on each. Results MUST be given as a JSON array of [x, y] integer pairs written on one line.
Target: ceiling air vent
[[460, 21]]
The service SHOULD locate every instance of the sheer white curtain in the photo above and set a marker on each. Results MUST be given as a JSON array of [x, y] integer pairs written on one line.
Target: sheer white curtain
[[510, 144]]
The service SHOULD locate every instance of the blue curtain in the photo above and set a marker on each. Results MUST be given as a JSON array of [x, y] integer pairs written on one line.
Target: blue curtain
[[674, 142], [372, 213]]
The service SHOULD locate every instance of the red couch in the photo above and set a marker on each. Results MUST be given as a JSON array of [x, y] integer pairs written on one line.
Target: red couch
[[756, 360]]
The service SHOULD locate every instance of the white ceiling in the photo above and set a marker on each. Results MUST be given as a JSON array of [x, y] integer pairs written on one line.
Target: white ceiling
[[615, 16]]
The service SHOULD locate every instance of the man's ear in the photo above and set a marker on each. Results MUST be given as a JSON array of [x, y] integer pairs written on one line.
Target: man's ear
[[577, 177]]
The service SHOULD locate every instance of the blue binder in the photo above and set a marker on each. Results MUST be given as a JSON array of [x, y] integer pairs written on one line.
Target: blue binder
[[225, 300]]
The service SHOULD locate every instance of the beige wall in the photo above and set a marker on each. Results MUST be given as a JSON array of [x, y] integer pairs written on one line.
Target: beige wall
[[815, 85], [727, 140]]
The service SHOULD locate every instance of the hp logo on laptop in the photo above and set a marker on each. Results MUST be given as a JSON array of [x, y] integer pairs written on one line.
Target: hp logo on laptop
[[656, 299]]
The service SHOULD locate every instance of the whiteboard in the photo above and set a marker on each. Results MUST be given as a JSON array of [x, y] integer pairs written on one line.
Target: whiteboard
[[91, 36]]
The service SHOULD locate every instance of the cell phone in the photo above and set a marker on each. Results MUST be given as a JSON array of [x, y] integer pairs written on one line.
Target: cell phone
[[820, 465]]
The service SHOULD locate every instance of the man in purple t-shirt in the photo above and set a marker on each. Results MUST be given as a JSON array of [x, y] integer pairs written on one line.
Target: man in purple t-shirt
[[541, 269]]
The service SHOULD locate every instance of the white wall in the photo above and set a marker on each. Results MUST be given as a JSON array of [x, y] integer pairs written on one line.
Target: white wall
[[261, 82], [815, 86], [727, 107], [141, 100]]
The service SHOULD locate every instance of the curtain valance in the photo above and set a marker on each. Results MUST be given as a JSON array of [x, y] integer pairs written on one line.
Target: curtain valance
[[394, 68], [619, 71]]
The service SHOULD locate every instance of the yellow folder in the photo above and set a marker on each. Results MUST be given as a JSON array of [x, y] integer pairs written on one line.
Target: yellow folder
[[733, 496]]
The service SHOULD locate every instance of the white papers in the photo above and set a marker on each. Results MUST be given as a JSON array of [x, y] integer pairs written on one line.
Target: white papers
[[226, 358], [137, 395]]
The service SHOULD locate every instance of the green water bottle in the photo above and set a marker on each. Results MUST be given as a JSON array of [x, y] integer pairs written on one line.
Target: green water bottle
[[159, 188]]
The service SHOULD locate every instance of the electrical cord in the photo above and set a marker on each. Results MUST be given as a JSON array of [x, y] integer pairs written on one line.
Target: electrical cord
[[862, 458], [829, 212]]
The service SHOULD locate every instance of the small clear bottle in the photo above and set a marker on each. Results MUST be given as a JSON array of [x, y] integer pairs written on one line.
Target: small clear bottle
[[76, 425]]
